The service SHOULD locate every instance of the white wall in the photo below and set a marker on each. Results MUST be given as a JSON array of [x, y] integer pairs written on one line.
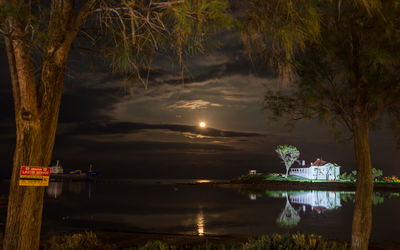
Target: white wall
[[326, 172]]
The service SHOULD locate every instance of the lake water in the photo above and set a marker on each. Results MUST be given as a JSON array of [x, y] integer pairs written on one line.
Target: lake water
[[165, 207]]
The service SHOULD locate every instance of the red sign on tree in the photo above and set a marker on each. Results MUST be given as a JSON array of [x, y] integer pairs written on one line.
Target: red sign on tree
[[34, 176]]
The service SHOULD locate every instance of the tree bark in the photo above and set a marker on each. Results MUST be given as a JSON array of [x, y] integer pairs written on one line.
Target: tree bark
[[24, 215], [36, 127], [362, 216]]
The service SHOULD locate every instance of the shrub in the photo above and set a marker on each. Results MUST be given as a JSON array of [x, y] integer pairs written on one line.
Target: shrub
[[212, 246], [275, 241], [156, 245], [89, 241], [292, 241], [348, 176], [377, 174], [86, 240], [391, 179]]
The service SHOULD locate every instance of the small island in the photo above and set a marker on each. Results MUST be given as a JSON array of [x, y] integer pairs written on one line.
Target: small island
[[318, 174]]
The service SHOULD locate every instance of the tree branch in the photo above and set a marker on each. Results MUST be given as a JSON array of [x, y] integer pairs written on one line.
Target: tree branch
[[61, 15], [80, 19]]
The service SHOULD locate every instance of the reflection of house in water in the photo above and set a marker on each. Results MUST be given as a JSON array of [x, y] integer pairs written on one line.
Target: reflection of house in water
[[318, 201], [54, 189], [76, 187]]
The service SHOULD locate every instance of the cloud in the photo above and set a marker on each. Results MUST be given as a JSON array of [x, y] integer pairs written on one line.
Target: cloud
[[193, 104], [211, 59], [210, 99], [219, 85], [132, 127]]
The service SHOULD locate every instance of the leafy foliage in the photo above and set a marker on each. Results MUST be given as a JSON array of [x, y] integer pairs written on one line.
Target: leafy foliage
[[289, 154], [86, 240], [392, 179], [276, 29], [175, 28], [347, 77], [377, 175], [347, 62], [292, 241], [130, 33], [275, 241], [156, 245], [348, 176]]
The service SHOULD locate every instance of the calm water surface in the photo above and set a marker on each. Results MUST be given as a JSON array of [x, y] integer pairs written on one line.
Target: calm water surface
[[165, 207]]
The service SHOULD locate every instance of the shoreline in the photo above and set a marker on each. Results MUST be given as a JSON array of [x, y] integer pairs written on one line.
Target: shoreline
[[234, 184], [293, 185]]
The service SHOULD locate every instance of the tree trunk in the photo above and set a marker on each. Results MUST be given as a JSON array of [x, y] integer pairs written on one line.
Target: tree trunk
[[362, 217], [25, 204], [37, 105], [36, 115]]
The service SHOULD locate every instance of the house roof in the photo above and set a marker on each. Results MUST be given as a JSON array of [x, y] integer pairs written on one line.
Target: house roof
[[301, 166], [319, 162]]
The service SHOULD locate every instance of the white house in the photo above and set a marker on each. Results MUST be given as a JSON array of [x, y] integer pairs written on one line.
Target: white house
[[317, 170]]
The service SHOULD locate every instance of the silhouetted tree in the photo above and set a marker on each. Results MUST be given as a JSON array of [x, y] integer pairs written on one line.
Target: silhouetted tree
[[342, 58], [39, 36]]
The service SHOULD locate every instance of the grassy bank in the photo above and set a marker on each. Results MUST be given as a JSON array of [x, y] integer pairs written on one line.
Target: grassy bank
[[278, 181], [262, 178]]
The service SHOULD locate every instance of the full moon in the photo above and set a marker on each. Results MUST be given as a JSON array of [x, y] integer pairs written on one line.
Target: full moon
[[202, 124]]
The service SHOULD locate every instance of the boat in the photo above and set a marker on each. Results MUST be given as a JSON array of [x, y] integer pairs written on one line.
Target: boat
[[92, 173], [77, 173], [56, 170]]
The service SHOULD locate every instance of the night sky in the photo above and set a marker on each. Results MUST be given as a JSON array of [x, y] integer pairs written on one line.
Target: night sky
[[137, 133]]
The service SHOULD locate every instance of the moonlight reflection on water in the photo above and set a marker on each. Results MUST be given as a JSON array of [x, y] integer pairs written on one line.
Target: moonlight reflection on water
[[200, 223]]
